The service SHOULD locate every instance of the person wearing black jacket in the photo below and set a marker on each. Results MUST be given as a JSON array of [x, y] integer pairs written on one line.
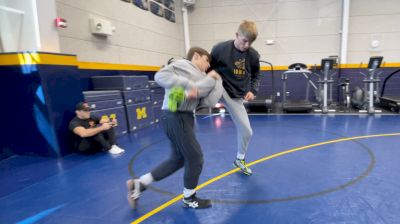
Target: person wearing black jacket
[[238, 64]]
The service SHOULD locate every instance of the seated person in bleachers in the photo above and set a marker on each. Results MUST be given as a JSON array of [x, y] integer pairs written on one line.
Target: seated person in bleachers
[[93, 134]]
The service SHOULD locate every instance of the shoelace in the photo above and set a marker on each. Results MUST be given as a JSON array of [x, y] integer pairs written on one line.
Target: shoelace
[[193, 203]]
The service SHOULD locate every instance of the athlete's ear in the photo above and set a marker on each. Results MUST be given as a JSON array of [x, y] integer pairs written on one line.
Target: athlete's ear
[[196, 55], [237, 35]]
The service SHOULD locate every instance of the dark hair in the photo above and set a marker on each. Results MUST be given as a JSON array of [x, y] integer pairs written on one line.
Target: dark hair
[[82, 106], [198, 50]]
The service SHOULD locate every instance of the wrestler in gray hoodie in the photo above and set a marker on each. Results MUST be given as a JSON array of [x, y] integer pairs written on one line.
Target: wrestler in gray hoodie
[[179, 127], [185, 74]]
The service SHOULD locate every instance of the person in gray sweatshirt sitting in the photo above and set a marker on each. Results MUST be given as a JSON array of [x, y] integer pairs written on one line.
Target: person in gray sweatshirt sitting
[[186, 83]]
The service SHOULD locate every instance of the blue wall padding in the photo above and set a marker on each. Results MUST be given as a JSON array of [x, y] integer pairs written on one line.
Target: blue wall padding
[[38, 102], [42, 105]]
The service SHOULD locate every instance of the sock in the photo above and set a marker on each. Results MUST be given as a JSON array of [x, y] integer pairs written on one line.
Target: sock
[[240, 156], [188, 192], [146, 179]]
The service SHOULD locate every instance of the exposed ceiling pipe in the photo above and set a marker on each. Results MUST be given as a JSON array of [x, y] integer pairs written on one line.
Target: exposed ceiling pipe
[[344, 31], [185, 28]]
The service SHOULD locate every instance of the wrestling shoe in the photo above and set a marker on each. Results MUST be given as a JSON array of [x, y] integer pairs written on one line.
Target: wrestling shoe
[[195, 202], [135, 188], [241, 164]]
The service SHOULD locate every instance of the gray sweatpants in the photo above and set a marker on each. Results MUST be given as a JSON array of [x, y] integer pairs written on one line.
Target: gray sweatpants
[[241, 119], [185, 149]]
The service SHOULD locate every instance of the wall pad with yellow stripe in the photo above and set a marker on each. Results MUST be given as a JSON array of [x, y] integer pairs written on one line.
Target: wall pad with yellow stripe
[[44, 58]]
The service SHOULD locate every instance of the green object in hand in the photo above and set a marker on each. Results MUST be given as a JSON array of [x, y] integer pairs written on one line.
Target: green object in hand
[[175, 98]]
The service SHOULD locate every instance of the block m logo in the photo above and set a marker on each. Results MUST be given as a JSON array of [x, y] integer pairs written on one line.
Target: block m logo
[[108, 118], [141, 113]]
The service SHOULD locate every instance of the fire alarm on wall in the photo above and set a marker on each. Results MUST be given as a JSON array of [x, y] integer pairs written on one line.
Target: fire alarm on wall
[[61, 23]]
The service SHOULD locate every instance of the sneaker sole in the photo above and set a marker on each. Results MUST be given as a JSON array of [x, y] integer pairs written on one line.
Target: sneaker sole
[[244, 172], [116, 153], [188, 207]]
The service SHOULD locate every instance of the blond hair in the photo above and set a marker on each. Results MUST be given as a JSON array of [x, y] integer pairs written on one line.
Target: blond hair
[[248, 29]]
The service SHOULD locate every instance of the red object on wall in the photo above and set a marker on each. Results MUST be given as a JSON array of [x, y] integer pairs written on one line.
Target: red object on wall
[[61, 23]]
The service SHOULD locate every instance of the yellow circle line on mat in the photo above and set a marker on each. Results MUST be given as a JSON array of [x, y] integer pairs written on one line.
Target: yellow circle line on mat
[[179, 197]]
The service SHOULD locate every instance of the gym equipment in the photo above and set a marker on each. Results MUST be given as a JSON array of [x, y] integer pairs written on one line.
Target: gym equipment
[[120, 82], [263, 102], [325, 84], [390, 101], [296, 105], [94, 96], [344, 85], [111, 113], [108, 103], [365, 99], [139, 115], [136, 96]]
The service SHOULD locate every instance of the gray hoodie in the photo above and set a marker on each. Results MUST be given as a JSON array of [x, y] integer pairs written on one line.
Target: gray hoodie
[[215, 94], [183, 73]]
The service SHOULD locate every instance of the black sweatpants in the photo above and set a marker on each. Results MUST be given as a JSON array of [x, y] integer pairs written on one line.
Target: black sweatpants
[[185, 149], [100, 142]]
